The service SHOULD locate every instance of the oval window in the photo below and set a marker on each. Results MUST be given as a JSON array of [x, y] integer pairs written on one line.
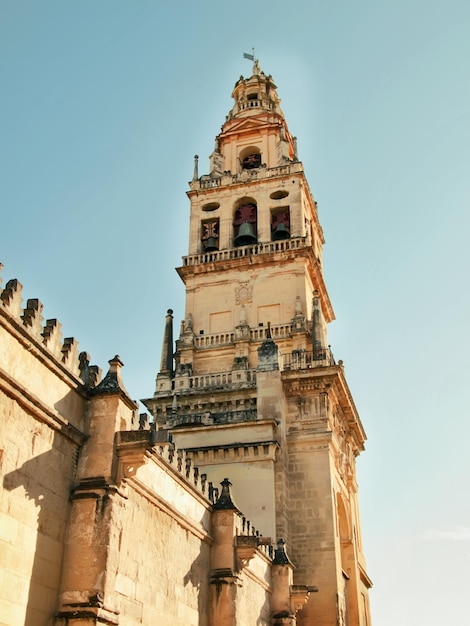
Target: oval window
[[211, 206], [277, 195]]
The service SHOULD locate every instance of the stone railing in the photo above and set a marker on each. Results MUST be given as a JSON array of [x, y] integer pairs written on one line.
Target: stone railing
[[216, 340], [257, 173], [278, 331], [245, 377], [208, 381], [301, 359], [284, 245]]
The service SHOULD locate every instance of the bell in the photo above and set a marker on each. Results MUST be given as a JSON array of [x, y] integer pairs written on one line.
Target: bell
[[280, 232], [210, 244], [245, 236]]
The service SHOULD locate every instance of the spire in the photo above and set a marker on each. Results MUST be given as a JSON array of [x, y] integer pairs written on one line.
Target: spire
[[166, 365], [318, 328], [112, 382], [225, 499], [280, 554]]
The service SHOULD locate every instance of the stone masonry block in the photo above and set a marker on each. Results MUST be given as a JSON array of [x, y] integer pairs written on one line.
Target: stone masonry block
[[11, 612], [8, 529]]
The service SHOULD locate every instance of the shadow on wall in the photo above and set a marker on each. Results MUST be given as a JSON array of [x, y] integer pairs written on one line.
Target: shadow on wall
[[197, 576], [40, 539]]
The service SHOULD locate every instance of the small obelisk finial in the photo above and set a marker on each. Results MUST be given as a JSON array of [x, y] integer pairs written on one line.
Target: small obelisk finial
[[166, 365]]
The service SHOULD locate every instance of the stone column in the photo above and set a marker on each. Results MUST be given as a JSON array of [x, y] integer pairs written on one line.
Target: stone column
[[282, 574], [271, 404], [224, 581], [91, 553]]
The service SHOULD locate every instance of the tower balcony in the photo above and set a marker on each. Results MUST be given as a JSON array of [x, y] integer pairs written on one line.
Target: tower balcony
[[217, 340], [258, 173], [219, 381], [303, 359], [246, 378], [258, 249]]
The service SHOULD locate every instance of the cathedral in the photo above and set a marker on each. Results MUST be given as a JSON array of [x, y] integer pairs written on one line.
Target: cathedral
[[235, 503]]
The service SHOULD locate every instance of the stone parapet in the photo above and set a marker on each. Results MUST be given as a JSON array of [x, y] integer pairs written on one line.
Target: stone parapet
[[245, 176]]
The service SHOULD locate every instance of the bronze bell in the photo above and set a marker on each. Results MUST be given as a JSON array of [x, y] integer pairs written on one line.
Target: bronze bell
[[246, 235], [280, 232], [210, 244]]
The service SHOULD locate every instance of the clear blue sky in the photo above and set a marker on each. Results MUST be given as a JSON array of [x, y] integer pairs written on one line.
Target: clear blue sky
[[104, 105]]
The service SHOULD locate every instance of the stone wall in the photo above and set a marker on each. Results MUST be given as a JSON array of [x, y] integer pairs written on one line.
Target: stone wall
[[37, 469], [102, 521], [42, 407]]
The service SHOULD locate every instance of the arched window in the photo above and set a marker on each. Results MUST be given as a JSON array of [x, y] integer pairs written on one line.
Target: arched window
[[210, 235], [245, 227], [280, 224], [250, 158], [251, 161]]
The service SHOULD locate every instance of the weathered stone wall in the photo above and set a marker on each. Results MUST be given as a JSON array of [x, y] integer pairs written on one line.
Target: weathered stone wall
[[41, 420], [162, 576], [100, 522], [254, 599], [37, 470]]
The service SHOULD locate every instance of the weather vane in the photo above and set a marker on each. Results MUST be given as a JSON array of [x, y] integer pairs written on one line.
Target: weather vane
[[250, 57]]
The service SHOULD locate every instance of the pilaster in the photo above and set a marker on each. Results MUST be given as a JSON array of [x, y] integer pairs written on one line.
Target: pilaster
[[91, 553]]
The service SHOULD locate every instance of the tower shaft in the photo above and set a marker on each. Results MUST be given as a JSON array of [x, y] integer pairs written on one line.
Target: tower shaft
[[256, 394]]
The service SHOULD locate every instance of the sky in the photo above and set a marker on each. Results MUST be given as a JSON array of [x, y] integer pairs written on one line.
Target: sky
[[103, 107]]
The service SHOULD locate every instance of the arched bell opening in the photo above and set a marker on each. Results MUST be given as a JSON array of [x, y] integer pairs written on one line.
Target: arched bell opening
[[280, 224], [245, 224], [250, 158], [210, 235]]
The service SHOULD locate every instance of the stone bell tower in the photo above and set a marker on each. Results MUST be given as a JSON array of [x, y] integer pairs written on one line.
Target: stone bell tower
[[253, 391]]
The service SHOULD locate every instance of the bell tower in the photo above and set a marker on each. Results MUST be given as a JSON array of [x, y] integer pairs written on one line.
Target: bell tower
[[254, 392]]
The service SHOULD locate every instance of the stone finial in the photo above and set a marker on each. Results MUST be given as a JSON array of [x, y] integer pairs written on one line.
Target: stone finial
[[318, 328], [242, 330], [298, 306], [268, 353], [298, 321], [280, 554], [225, 501], [166, 364], [112, 382], [11, 296], [196, 172], [296, 156]]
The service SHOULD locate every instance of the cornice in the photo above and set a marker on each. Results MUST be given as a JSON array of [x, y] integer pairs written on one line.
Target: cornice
[[330, 380], [38, 409]]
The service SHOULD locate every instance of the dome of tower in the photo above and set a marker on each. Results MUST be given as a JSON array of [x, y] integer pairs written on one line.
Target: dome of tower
[[255, 94]]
